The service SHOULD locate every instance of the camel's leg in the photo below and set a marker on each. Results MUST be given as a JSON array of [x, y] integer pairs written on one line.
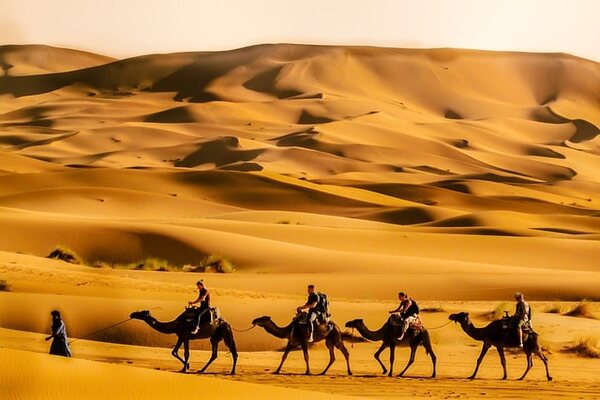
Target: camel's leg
[[392, 358], [230, 343], [285, 354], [329, 343], [413, 350], [529, 364], [484, 349], [214, 342], [175, 353], [502, 361], [377, 353], [304, 345], [342, 347], [544, 359], [429, 350]]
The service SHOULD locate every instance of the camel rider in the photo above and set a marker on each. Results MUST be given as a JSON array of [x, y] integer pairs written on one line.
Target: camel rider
[[522, 315], [204, 300], [408, 311], [311, 306]]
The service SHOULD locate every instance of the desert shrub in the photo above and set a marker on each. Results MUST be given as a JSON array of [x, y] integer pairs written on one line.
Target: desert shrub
[[214, 263], [581, 310], [65, 254], [498, 312], [4, 286], [150, 264], [553, 309], [433, 309], [192, 268], [586, 346]]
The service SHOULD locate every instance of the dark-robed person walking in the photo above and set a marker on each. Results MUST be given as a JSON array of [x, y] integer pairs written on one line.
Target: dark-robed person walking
[[60, 345]]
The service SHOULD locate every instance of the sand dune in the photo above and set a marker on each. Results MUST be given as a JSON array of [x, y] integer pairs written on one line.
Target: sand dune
[[76, 379], [460, 176]]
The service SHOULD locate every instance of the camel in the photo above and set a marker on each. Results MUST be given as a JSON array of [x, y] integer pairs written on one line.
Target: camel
[[494, 334], [298, 334], [182, 327], [388, 333]]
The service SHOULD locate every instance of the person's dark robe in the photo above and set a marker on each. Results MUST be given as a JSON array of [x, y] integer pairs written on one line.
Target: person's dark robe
[[60, 345]]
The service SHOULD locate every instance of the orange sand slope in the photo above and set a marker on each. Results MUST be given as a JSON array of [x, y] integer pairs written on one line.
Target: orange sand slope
[[290, 158], [55, 377]]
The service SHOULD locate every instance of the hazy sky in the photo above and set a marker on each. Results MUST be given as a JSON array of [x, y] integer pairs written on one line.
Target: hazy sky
[[131, 27]]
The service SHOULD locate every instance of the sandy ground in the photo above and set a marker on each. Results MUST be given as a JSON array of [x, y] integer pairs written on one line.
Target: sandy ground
[[300, 164]]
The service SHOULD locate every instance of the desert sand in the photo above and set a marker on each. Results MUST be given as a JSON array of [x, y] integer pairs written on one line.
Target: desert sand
[[459, 176]]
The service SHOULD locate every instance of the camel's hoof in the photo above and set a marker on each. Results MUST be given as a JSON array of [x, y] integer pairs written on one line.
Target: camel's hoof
[[433, 376], [349, 373], [550, 379], [504, 378], [399, 375], [307, 373], [384, 372], [200, 371], [275, 372], [471, 377]]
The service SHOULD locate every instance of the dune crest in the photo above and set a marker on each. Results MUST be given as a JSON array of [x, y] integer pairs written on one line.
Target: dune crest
[[475, 145]]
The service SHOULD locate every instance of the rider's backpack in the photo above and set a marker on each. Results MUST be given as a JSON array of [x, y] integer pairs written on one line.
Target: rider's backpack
[[323, 304]]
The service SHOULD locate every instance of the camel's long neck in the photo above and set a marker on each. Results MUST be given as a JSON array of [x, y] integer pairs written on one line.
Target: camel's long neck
[[472, 331], [162, 327], [280, 332], [368, 334]]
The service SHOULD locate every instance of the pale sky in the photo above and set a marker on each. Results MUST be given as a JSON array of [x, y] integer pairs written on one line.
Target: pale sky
[[124, 28]]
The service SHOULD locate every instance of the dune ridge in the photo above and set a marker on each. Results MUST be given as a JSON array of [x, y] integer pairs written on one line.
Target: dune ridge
[[300, 150]]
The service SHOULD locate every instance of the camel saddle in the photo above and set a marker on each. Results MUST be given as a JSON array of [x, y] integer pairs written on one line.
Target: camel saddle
[[302, 319], [210, 315], [416, 325], [510, 322]]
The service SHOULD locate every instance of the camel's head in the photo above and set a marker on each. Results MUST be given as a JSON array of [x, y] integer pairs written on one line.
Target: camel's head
[[354, 323], [261, 321], [460, 317], [140, 315]]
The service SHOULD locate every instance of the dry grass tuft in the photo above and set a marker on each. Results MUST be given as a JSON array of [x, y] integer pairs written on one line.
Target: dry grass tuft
[[433, 309], [214, 263], [149, 264], [553, 309], [65, 254], [581, 310], [498, 312], [584, 346]]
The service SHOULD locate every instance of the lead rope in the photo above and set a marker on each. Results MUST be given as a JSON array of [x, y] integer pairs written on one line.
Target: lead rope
[[101, 330], [244, 330], [438, 327]]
